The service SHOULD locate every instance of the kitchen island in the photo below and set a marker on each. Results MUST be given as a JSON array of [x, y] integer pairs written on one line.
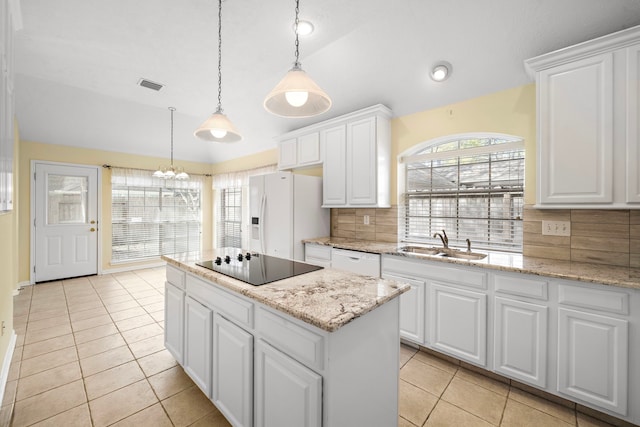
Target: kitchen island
[[321, 348]]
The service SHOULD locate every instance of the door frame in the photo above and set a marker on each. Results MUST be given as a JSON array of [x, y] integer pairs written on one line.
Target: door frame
[[32, 214]]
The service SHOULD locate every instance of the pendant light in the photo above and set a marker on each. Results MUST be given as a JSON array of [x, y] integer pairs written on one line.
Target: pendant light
[[218, 127], [171, 172], [297, 95]]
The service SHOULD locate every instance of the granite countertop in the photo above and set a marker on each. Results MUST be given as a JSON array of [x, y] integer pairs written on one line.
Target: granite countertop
[[506, 261], [327, 298]]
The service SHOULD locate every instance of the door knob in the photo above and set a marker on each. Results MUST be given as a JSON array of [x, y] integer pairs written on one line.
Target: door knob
[[92, 229]]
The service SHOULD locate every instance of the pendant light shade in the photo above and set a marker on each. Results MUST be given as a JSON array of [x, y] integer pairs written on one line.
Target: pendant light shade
[[218, 127], [297, 95]]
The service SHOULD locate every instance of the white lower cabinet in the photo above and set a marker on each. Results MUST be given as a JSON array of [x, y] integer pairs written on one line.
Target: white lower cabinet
[[198, 337], [287, 392], [174, 320], [593, 358], [411, 309], [520, 340], [232, 389], [458, 322]]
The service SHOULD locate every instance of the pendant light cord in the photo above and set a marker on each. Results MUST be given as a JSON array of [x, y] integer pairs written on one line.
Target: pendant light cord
[[220, 56], [297, 64], [172, 110]]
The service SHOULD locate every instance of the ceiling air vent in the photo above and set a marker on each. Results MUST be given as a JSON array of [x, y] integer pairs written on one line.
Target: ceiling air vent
[[150, 85]]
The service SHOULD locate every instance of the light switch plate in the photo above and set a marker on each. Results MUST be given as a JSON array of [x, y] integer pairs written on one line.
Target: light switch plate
[[556, 228]]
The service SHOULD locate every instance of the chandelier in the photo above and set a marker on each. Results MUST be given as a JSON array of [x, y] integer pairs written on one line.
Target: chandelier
[[171, 172]]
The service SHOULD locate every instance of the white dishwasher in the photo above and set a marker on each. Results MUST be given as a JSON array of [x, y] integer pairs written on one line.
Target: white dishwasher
[[356, 262]]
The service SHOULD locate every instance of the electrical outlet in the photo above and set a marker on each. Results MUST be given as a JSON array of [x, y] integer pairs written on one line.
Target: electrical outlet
[[366, 220], [556, 228]]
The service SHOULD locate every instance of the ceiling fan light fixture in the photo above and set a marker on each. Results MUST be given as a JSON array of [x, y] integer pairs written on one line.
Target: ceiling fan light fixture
[[297, 95], [441, 71]]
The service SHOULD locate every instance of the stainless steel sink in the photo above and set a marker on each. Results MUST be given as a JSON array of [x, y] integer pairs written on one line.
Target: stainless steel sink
[[420, 250], [443, 252], [452, 253]]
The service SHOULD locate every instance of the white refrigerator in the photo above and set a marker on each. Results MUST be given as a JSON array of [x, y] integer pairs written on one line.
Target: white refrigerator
[[286, 208]]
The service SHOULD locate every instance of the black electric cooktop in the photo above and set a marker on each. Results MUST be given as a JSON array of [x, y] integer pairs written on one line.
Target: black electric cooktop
[[256, 269]]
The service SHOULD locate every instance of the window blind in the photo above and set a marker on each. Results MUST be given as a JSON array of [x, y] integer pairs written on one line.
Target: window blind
[[473, 188], [152, 217], [230, 218]]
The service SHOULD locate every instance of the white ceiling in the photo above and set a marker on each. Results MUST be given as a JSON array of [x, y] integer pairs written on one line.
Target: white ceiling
[[78, 62]]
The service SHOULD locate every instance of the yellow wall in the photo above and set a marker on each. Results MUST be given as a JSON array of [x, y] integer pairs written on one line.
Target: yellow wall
[[264, 158], [8, 260], [57, 153], [512, 111]]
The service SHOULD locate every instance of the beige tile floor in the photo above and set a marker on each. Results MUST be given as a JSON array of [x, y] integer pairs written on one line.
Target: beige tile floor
[[90, 353]]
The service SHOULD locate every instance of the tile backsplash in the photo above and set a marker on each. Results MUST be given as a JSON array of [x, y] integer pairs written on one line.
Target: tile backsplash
[[350, 223], [610, 237]]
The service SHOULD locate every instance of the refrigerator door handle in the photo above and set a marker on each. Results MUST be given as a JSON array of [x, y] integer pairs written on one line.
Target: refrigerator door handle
[[263, 203]]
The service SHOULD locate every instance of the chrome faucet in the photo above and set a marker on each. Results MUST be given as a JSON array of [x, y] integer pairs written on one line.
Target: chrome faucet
[[444, 238]]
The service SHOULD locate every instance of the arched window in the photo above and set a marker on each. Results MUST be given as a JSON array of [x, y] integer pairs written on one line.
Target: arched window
[[470, 185]]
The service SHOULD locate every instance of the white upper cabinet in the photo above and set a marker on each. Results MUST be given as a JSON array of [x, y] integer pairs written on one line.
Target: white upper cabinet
[[358, 175], [587, 124], [355, 153], [301, 151]]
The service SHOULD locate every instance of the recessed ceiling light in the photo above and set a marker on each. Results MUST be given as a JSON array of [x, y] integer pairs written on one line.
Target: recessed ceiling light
[[441, 71], [304, 28]]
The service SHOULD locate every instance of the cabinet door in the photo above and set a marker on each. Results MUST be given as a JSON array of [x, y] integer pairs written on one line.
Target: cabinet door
[[411, 309], [309, 149], [197, 352], [232, 390], [575, 109], [458, 322], [633, 124], [520, 347], [592, 359], [287, 154], [334, 189], [287, 393], [174, 320], [361, 162]]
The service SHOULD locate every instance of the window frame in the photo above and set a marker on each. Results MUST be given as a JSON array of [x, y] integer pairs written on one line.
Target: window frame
[[414, 155]]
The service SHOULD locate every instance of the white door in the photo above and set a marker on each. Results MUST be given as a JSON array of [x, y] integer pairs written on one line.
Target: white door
[[287, 393], [65, 222], [232, 390]]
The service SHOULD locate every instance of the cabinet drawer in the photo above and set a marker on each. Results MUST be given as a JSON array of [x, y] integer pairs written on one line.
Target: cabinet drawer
[[596, 299], [300, 343], [521, 286], [435, 270], [175, 276], [234, 308], [317, 251]]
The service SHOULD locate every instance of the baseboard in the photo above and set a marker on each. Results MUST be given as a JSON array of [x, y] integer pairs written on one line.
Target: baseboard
[[6, 364], [134, 267]]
